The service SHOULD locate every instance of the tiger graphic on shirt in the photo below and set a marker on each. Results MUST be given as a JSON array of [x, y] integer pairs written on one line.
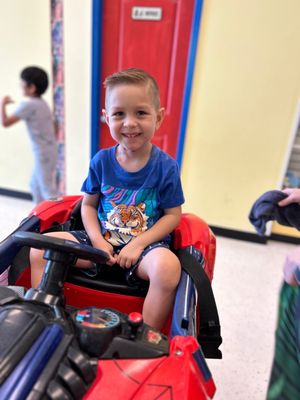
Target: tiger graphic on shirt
[[124, 222]]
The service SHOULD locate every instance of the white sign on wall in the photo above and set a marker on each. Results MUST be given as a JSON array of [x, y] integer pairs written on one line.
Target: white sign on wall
[[146, 13]]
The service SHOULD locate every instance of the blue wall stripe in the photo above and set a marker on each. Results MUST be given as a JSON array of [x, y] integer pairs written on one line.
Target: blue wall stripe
[[96, 74], [189, 78]]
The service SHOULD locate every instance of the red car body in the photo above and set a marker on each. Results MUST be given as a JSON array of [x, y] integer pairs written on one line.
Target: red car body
[[183, 374]]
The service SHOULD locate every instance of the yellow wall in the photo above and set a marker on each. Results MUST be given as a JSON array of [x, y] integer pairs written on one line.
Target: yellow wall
[[245, 93], [24, 40], [77, 37]]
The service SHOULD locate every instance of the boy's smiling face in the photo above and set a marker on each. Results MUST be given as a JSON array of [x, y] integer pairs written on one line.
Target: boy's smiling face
[[131, 116]]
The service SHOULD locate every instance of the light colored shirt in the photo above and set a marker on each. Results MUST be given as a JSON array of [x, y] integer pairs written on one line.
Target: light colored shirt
[[38, 118]]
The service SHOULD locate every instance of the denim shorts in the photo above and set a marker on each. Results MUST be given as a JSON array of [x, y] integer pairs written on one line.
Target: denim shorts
[[130, 275]]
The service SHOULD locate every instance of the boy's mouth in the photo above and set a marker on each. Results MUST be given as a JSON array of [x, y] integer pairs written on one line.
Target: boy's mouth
[[131, 135]]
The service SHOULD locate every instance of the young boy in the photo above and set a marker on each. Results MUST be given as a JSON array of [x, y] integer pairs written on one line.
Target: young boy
[[133, 195], [38, 118]]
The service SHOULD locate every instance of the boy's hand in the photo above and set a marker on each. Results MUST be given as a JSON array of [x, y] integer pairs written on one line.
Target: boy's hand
[[130, 254], [108, 248], [6, 100]]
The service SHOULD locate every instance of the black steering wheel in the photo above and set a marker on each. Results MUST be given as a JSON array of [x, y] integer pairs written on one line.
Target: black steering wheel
[[44, 242], [61, 254]]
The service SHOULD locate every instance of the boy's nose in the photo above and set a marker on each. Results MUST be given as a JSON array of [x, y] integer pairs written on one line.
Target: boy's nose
[[129, 122]]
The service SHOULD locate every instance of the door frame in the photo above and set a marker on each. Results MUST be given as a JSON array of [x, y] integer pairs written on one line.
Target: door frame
[[96, 83]]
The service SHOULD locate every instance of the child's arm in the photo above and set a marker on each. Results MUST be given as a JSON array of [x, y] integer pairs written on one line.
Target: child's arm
[[91, 224], [166, 224], [5, 119]]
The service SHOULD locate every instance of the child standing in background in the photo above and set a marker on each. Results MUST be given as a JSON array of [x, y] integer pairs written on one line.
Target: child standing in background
[[38, 118]]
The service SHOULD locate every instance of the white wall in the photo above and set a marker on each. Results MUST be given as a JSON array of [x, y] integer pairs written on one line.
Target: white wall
[[24, 40]]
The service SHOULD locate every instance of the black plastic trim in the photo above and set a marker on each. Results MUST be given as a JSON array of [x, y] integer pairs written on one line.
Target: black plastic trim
[[77, 278]]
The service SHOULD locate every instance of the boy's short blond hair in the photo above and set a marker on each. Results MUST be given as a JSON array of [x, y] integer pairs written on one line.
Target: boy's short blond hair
[[133, 76]]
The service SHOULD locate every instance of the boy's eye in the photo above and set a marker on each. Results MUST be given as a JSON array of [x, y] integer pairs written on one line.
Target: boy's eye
[[141, 113], [118, 114]]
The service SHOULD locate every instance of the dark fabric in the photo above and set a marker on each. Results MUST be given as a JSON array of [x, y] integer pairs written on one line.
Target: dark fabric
[[130, 275], [266, 209], [82, 237]]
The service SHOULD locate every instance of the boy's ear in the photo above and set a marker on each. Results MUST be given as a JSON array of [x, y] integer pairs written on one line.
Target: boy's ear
[[160, 117], [32, 88], [105, 116]]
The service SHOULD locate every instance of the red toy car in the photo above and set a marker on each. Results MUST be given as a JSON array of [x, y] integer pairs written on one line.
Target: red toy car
[[79, 337]]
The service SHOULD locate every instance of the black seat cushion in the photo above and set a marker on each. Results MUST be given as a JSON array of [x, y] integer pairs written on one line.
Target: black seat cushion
[[109, 279]]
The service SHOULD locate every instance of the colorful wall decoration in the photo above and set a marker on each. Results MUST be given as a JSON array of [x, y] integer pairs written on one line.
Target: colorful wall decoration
[[57, 46]]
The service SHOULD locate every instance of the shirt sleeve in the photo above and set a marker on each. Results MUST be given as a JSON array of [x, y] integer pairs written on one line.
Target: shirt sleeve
[[171, 194], [92, 183], [23, 110]]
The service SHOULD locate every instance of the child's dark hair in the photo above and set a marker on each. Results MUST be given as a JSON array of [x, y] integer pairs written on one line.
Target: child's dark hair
[[35, 76], [133, 76]]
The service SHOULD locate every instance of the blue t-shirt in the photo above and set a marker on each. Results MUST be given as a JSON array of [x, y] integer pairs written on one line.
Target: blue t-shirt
[[131, 202]]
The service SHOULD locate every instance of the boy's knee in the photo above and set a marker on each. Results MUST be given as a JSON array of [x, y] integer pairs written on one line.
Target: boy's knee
[[166, 273], [35, 256]]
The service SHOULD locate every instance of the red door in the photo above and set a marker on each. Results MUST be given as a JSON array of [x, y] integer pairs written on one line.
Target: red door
[[153, 35]]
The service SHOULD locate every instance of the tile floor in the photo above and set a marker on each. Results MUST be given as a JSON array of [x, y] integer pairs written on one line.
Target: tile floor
[[246, 284]]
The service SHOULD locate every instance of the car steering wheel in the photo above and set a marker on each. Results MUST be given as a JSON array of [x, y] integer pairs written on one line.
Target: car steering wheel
[[44, 242], [61, 254]]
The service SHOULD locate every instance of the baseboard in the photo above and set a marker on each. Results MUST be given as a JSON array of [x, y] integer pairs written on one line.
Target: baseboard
[[239, 235], [284, 238], [253, 237], [15, 193]]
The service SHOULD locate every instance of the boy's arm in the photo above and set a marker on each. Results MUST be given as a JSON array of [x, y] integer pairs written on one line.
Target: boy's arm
[[166, 224], [91, 224], [5, 119]]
